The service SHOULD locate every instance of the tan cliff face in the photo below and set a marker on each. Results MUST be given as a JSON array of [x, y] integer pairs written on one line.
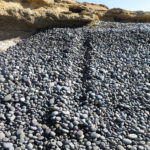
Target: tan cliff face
[[120, 15], [28, 15]]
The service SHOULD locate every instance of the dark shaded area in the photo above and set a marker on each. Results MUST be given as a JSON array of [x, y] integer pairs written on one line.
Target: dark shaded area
[[76, 9]]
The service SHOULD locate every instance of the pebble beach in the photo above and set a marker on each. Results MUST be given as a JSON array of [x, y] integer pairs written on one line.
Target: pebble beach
[[77, 89]]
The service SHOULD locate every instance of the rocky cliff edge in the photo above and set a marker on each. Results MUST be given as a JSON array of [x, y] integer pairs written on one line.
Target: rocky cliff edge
[[28, 15]]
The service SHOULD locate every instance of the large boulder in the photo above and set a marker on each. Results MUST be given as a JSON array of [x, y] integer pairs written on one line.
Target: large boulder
[[121, 15]]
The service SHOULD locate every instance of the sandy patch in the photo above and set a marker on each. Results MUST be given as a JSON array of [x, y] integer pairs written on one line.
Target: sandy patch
[[11, 38]]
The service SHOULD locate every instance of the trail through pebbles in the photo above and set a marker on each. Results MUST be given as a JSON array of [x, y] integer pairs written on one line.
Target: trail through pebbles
[[83, 88]]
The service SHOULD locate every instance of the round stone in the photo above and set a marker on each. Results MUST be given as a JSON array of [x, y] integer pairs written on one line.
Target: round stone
[[88, 143], [22, 99], [20, 131], [132, 136], [95, 135], [8, 97], [54, 113], [127, 141], [33, 128], [141, 147], [96, 148], [30, 146], [2, 79], [47, 131], [59, 143], [2, 135], [8, 145], [102, 137], [2, 116], [12, 118], [52, 101], [80, 134], [133, 148], [52, 133], [120, 147], [72, 146], [147, 147]]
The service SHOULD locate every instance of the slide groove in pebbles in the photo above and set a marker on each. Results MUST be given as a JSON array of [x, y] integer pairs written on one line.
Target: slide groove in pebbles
[[80, 88]]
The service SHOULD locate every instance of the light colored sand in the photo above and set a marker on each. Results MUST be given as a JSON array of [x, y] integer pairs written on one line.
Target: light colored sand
[[4, 45], [11, 38]]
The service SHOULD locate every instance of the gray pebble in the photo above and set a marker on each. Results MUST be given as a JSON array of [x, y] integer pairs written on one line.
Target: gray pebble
[[52, 133], [94, 135], [8, 97], [8, 146], [2, 79], [127, 141], [54, 113], [59, 143], [96, 148], [141, 147], [133, 148], [120, 147], [132, 136], [29, 146], [2, 135], [80, 134]]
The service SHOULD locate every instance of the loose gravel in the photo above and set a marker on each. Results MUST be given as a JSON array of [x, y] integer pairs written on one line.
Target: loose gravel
[[77, 89]]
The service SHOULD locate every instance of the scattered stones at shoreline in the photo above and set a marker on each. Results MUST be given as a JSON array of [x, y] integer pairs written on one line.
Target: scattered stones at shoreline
[[80, 88]]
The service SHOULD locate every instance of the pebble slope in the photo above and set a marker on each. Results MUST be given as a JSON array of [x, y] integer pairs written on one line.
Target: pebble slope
[[83, 88]]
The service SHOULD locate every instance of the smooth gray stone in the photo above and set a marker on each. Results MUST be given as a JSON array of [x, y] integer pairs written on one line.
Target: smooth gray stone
[[127, 141], [132, 136], [94, 135], [2, 135], [8, 146], [120, 147], [8, 97]]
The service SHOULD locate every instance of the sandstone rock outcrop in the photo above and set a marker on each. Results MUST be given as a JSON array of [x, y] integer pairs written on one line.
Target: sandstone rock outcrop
[[29, 15], [121, 15], [95, 7]]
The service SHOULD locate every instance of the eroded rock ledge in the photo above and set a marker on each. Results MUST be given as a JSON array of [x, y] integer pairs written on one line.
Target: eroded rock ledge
[[29, 15], [120, 15]]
